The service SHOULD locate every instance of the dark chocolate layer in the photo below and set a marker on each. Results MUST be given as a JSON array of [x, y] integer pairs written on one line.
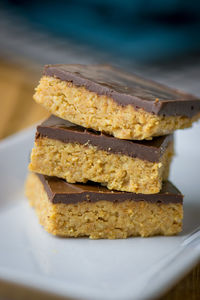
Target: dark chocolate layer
[[127, 89], [62, 130], [59, 191]]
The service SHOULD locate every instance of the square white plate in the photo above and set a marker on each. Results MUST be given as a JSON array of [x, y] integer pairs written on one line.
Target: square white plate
[[135, 268]]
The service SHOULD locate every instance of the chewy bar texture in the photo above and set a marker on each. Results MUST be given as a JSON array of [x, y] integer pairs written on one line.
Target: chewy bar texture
[[76, 154], [75, 210], [108, 100]]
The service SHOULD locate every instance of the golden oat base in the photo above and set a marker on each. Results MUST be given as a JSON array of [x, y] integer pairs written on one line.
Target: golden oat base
[[80, 163], [85, 108], [103, 219]]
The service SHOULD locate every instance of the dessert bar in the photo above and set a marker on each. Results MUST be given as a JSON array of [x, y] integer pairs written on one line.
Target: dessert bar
[[75, 210], [106, 99], [76, 154]]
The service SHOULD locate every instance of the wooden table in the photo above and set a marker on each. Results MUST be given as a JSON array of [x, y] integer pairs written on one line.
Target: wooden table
[[18, 111]]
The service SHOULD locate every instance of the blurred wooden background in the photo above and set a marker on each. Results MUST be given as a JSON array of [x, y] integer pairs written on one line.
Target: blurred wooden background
[[17, 108], [18, 111]]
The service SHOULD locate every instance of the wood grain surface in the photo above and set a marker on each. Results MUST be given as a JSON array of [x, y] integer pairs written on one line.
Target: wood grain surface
[[18, 111]]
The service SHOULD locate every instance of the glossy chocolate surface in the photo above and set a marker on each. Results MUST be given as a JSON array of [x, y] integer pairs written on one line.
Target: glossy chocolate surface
[[127, 89], [66, 132], [59, 191]]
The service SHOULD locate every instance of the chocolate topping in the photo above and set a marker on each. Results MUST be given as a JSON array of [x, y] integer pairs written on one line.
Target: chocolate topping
[[59, 191], [66, 132], [127, 89]]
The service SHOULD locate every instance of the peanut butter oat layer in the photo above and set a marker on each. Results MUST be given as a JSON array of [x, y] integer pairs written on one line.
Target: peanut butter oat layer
[[106, 99], [74, 210], [76, 154]]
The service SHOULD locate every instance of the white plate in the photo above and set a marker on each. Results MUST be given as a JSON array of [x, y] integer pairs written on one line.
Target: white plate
[[135, 268]]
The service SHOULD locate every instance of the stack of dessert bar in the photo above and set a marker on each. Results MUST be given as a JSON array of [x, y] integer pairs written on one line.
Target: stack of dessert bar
[[101, 161]]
